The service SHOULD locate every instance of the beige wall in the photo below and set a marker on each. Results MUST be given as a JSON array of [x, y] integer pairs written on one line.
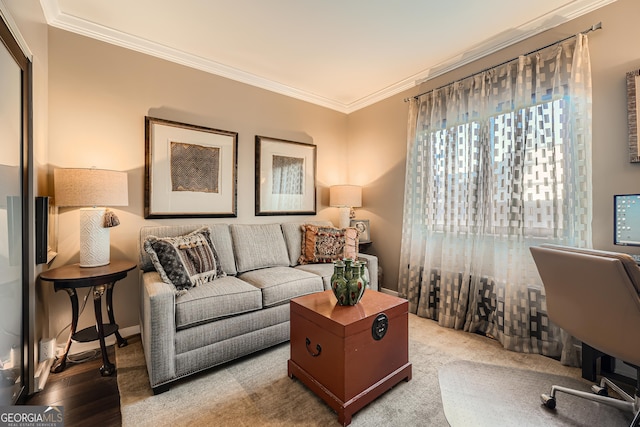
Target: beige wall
[[377, 134], [99, 95], [377, 150]]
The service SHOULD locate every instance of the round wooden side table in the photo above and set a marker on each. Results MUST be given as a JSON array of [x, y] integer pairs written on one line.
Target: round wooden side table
[[71, 277]]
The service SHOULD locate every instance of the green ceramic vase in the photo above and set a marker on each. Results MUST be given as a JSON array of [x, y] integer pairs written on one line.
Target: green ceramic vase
[[356, 284], [339, 283], [348, 282]]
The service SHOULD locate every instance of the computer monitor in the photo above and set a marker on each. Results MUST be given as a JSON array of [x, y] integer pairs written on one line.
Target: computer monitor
[[626, 219]]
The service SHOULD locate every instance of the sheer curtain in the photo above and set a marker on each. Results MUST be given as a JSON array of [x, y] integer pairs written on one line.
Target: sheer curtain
[[496, 163]]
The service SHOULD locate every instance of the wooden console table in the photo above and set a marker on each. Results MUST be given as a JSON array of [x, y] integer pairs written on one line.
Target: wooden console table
[[71, 277]]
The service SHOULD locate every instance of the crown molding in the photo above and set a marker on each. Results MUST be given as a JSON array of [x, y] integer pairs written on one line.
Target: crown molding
[[382, 94], [56, 18], [5, 15], [488, 47], [532, 28]]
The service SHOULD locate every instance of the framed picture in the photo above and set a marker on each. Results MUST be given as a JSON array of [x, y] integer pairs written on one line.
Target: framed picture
[[633, 95], [362, 225], [190, 171], [285, 177]]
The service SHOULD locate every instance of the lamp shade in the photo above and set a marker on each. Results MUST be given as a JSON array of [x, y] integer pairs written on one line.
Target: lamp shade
[[92, 190], [90, 187], [349, 196]]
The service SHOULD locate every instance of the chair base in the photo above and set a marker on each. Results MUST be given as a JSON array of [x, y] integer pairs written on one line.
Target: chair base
[[600, 394]]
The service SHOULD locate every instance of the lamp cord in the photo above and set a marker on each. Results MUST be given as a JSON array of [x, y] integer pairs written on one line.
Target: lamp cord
[[93, 353]]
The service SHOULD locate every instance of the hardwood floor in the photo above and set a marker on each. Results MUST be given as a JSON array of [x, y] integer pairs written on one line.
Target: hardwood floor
[[88, 398]]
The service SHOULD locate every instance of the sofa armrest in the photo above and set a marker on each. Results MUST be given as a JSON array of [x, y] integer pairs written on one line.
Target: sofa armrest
[[158, 328], [372, 266]]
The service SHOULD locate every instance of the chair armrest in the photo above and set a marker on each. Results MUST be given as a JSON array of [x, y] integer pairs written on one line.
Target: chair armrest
[[158, 328], [372, 266]]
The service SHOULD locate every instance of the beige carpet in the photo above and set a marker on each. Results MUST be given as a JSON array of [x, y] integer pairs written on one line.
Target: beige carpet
[[256, 391]]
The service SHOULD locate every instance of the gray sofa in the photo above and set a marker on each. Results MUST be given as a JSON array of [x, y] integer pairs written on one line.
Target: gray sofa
[[232, 316]]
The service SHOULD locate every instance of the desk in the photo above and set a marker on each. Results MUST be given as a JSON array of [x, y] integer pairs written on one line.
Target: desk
[[590, 357], [590, 371], [71, 277]]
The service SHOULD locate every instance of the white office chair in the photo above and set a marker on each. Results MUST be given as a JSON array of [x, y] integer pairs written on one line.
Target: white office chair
[[595, 296]]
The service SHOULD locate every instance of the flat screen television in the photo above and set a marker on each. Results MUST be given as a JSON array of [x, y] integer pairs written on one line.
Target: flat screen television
[[626, 219]]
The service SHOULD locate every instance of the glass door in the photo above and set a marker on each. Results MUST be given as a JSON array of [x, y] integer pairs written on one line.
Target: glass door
[[13, 211]]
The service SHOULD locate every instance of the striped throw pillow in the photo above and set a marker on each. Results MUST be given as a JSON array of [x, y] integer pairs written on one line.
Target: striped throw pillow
[[185, 261]]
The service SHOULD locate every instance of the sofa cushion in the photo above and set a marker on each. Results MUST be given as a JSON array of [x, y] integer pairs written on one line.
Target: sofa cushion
[[327, 244], [280, 284], [292, 232], [324, 270], [258, 246], [199, 336], [220, 238], [227, 296], [185, 261]]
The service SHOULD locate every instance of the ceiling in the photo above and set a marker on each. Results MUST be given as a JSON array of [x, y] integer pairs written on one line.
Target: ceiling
[[340, 54]]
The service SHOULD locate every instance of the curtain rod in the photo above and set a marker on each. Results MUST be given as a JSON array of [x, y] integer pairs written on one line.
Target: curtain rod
[[594, 27]]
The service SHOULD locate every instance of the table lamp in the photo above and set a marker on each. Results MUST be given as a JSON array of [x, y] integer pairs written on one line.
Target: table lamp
[[345, 197], [92, 189]]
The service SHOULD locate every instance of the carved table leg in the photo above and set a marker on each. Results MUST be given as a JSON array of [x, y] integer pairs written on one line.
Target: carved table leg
[[107, 367], [121, 341]]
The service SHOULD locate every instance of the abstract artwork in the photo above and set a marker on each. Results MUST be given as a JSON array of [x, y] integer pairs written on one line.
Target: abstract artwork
[[194, 167]]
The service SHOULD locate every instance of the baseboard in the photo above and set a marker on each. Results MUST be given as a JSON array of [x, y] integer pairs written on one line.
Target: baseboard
[[389, 292], [42, 374], [81, 347]]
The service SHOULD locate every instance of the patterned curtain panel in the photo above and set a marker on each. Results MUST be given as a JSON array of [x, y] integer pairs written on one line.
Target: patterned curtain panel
[[497, 163]]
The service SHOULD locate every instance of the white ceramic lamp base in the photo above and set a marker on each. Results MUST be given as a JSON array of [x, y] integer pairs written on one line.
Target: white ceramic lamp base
[[94, 238], [345, 219]]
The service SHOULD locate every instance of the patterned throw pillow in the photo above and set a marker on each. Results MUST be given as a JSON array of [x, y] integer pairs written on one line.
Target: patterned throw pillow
[[185, 261], [327, 244]]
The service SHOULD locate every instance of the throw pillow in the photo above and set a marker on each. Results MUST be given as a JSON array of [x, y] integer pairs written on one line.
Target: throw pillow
[[327, 244], [185, 261]]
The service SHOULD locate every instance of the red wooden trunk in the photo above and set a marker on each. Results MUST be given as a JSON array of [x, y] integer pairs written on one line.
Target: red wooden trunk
[[334, 351]]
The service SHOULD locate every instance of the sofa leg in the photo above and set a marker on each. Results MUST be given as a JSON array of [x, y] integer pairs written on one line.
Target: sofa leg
[[161, 389]]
